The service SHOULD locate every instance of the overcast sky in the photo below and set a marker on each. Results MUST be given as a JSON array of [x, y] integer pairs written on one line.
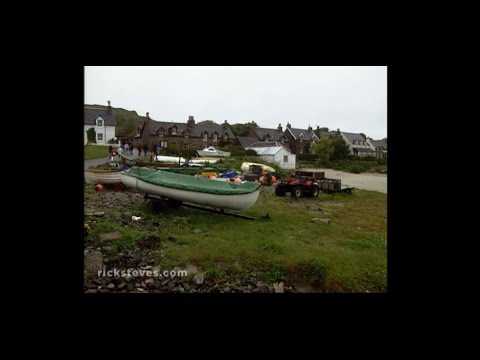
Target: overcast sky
[[353, 99]]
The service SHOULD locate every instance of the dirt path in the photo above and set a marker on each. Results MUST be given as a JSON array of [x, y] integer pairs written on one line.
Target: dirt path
[[365, 181]]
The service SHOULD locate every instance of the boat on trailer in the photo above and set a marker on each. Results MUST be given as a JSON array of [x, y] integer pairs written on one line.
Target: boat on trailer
[[100, 176], [196, 190]]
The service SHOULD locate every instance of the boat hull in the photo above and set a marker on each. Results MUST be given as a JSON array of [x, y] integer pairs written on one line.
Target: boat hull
[[231, 202], [102, 177]]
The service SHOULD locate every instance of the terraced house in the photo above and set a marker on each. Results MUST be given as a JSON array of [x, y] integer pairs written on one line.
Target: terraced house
[[300, 140], [186, 135]]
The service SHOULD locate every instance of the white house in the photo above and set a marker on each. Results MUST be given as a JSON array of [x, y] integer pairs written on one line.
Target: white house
[[274, 152], [357, 144], [102, 121], [379, 146]]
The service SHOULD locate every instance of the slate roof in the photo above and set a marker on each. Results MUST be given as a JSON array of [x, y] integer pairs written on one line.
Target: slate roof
[[195, 131], [246, 141], [353, 137], [379, 143], [307, 134], [262, 132], [91, 114]]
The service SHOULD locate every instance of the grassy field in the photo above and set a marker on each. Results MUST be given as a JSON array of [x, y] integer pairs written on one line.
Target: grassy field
[[95, 151], [347, 255]]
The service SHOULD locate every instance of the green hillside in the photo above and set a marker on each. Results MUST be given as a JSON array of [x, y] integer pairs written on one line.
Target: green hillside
[[127, 121]]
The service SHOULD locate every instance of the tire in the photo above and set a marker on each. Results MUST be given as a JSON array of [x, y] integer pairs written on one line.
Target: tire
[[174, 203], [314, 191], [157, 206], [297, 192], [279, 191]]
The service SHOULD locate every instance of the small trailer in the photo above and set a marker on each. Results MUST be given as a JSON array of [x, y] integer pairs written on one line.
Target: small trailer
[[309, 182]]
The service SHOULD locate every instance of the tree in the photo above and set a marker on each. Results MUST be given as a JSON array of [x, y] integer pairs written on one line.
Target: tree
[[364, 136], [323, 129], [210, 122], [324, 149], [91, 135], [341, 149]]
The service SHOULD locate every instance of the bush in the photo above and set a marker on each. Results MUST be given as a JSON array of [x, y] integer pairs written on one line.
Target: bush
[[382, 161], [368, 158], [251, 152], [238, 151], [353, 157], [356, 169], [189, 153], [111, 141], [307, 157]]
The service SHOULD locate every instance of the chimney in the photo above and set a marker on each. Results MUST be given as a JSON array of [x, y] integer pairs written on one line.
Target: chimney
[[148, 117], [288, 125], [309, 128], [279, 128], [318, 128], [191, 121], [109, 108]]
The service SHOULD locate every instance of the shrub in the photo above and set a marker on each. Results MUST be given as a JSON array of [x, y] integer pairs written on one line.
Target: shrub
[[307, 157], [111, 141], [189, 153], [251, 152]]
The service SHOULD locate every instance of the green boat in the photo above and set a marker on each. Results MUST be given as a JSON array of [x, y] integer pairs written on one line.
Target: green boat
[[196, 190]]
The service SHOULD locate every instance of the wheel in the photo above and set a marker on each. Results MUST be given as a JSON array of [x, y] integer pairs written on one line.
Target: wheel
[[279, 191], [314, 191], [297, 191], [157, 206], [174, 203]]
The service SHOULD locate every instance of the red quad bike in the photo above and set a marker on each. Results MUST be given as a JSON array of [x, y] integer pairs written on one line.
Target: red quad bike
[[297, 186]]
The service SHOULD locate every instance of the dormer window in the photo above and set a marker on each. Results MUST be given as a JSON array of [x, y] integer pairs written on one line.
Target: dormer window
[[225, 136], [215, 137], [160, 132], [204, 136], [99, 122], [174, 130], [186, 134]]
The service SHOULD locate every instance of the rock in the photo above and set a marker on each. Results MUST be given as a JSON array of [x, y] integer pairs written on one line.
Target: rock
[[121, 285], [149, 281], [93, 263], [172, 239], [321, 221], [192, 270], [111, 286], [147, 267], [197, 231], [181, 289], [278, 288], [90, 291], [259, 284], [110, 236], [198, 278]]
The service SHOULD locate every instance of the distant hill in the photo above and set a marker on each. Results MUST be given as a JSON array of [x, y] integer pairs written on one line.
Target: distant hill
[[127, 121]]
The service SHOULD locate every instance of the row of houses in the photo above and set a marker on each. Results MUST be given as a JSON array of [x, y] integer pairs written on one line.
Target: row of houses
[[275, 145]]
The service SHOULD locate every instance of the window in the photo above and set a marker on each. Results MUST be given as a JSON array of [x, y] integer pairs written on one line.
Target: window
[[204, 136], [186, 145], [225, 136], [100, 137], [215, 136], [285, 158], [100, 122], [174, 131]]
